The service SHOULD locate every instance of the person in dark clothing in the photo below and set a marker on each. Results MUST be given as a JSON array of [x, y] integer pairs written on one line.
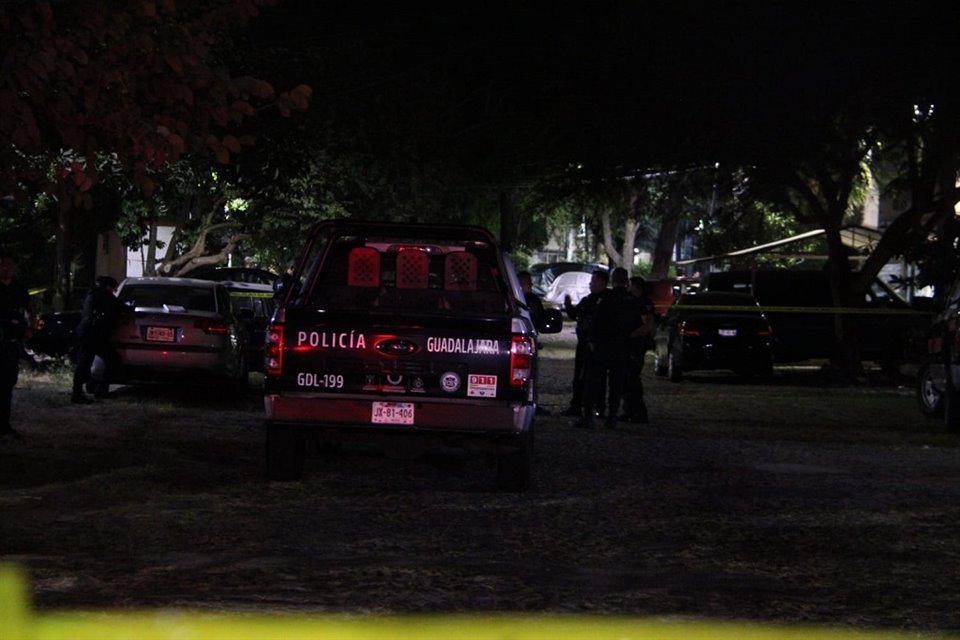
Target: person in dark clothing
[[534, 303], [537, 313], [101, 312], [284, 281], [641, 340], [616, 316], [16, 325], [582, 313]]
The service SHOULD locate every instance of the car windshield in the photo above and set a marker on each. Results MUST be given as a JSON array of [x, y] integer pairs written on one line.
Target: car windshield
[[159, 296]]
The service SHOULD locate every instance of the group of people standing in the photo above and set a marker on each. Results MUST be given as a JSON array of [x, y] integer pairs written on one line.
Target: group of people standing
[[615, 328], [101, 312]]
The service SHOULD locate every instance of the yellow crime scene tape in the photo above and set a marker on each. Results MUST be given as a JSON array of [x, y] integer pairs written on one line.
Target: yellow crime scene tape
[[821, 310], [17, 622], [239, 294]]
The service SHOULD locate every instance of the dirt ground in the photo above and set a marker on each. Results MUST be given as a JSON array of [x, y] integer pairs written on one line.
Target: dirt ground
[[795, 500]]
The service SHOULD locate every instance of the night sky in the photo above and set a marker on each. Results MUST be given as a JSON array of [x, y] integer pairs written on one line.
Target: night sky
[[632, 75]]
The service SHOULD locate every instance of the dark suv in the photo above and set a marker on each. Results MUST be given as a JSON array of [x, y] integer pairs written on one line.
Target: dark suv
[[799, 306], [403, 332]]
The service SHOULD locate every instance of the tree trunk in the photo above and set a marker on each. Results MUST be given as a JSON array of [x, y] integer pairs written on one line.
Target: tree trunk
[[61, 291], [150, 263], [666, 238], [615, 257], [845, 327], [629, 238]]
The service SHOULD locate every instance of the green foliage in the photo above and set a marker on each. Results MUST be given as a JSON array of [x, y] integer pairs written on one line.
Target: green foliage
[[738, 221], [29, 235], [98, 88], [641, 268], [520, 260]]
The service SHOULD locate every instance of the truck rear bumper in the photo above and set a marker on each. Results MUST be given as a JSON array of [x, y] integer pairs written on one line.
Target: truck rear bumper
[[430, 416]]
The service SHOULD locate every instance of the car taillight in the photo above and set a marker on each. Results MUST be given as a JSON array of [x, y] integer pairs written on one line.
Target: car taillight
[[523, 349], [273, 350], [763, 333], [212, 327], [684, 330]]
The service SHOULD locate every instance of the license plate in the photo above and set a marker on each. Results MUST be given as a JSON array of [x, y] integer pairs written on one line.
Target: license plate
[[728, 333], [161, 334], [392, 413]]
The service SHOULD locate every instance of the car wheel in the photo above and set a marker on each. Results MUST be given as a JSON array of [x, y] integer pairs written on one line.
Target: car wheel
[[286, 451], [514, 469], [673, 366], [929, 395]]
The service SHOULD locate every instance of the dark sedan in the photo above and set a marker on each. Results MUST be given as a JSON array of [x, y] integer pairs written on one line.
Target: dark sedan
[[714, 330]]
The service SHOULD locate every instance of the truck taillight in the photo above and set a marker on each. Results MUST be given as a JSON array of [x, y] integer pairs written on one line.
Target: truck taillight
[[523, 349], [273, 350]]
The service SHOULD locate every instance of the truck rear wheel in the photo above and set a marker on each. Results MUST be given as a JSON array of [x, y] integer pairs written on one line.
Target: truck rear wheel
[[286, 451]]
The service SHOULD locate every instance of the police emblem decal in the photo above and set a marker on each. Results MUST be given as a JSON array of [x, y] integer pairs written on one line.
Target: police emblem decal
[[450, 382]]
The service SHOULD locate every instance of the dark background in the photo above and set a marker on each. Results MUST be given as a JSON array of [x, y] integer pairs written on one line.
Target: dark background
[[620, 82]]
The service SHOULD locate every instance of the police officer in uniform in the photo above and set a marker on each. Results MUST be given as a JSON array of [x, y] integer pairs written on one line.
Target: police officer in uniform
[[16, 324], [582, 313], [101, 312], [641, 340], [616, 317]]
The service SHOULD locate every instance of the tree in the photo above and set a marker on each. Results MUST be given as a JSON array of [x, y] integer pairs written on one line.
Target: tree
[[625, 211], [817, 181], [733, 219], [924, 142], [142, 82], [820, 182], [202, 207]]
